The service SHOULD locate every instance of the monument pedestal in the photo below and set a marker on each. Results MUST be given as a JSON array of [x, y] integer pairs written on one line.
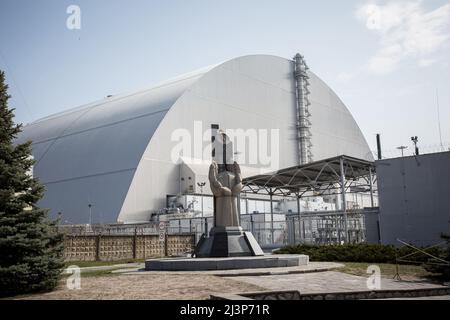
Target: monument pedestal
[[229, 263], [228, 242]]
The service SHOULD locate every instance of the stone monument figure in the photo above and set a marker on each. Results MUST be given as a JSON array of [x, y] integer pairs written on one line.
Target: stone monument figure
[[227, 238], [226, 184]]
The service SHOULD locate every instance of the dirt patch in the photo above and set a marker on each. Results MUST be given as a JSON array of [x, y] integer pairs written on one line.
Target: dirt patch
[[164, 286]]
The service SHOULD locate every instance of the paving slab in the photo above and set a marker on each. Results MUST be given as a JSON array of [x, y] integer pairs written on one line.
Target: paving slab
[[329, 281], [422, 298]]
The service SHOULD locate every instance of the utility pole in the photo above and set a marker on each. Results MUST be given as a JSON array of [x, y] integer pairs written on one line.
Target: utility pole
[[90, 214], [402, 149], [439, 119], [201, 185]]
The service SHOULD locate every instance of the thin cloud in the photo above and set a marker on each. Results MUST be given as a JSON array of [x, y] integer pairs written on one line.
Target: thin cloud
[[406, 31]]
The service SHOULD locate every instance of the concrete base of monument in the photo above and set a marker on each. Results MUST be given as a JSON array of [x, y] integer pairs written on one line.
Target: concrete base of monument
[[230, 263], [227, 242]]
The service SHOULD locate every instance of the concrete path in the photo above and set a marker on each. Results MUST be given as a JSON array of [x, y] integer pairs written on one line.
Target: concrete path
[[328, 281], [422, 298]]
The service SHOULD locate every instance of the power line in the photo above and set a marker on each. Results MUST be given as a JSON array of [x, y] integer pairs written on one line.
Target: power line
[[439, 118], [30, 114]]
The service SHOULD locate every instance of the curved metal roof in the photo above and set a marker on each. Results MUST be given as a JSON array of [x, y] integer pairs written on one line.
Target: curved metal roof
[[81, 144], [321, 177], [116, 154]]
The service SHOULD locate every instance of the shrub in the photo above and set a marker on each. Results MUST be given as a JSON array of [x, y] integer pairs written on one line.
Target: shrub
[[362, 252]]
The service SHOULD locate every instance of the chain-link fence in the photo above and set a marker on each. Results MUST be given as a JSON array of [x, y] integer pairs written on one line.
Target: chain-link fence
[[150, 228], [270, 230], [326, 228]]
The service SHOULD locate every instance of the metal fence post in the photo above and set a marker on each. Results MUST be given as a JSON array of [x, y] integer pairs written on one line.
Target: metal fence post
[[134, 243], [97, 247], [166, 249], [293, 228]]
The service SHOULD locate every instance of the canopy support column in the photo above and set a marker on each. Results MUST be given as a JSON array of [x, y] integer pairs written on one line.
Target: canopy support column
[[344, 200], [271, 217]]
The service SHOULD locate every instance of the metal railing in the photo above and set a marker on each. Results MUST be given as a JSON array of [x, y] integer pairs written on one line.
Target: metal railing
[[150, 228], [326, 228], [292, 228]]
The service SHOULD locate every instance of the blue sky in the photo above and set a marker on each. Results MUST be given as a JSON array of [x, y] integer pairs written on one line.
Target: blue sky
[[385, 59]]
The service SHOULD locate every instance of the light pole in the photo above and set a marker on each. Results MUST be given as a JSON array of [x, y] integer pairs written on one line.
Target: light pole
[[201, 185], [402, 149], [90, 214]]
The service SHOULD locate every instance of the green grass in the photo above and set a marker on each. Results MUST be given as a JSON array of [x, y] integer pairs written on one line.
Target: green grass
[[388, 270], [99, 273], [83, 264], [96, 273]]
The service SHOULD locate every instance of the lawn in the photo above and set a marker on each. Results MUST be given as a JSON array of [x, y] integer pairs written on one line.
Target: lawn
[[83, 264]]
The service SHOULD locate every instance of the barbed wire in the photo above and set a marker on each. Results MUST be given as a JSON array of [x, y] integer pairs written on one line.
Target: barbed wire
[[425, 149]]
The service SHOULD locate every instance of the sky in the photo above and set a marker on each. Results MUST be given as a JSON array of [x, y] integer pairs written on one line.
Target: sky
[[387, 60]]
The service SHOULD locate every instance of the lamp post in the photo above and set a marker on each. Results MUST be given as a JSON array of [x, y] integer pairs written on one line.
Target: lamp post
[[90, 214], [201, 185]]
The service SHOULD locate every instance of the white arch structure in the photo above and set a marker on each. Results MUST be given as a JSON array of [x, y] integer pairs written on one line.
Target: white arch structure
[[116, 154]]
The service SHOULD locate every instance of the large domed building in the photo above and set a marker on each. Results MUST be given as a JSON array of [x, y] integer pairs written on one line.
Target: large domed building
[[123, 155]]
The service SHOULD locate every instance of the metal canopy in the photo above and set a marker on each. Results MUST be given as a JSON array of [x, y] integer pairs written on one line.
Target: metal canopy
[[324, 177]]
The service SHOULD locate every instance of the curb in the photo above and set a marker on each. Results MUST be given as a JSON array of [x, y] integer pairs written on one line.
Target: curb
[[355, 295]]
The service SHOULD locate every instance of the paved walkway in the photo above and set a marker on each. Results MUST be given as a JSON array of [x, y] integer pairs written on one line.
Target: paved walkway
[[422, 298], [328, 281], [125, 287], [311, 267], [201, 285]]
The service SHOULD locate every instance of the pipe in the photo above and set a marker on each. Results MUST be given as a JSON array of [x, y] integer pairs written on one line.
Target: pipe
[[379, 146]]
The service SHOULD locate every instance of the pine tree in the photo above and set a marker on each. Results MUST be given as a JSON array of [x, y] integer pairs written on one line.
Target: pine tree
[[31, 249]]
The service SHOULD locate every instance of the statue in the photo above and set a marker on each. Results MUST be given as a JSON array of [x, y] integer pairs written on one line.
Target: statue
[[226, 184], [227, 238]]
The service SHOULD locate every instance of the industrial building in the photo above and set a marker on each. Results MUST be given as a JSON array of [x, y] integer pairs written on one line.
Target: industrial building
[[127, 157], [414, 199]]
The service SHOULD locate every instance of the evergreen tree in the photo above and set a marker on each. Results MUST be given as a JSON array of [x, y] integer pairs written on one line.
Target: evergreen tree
[[31, 249]]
